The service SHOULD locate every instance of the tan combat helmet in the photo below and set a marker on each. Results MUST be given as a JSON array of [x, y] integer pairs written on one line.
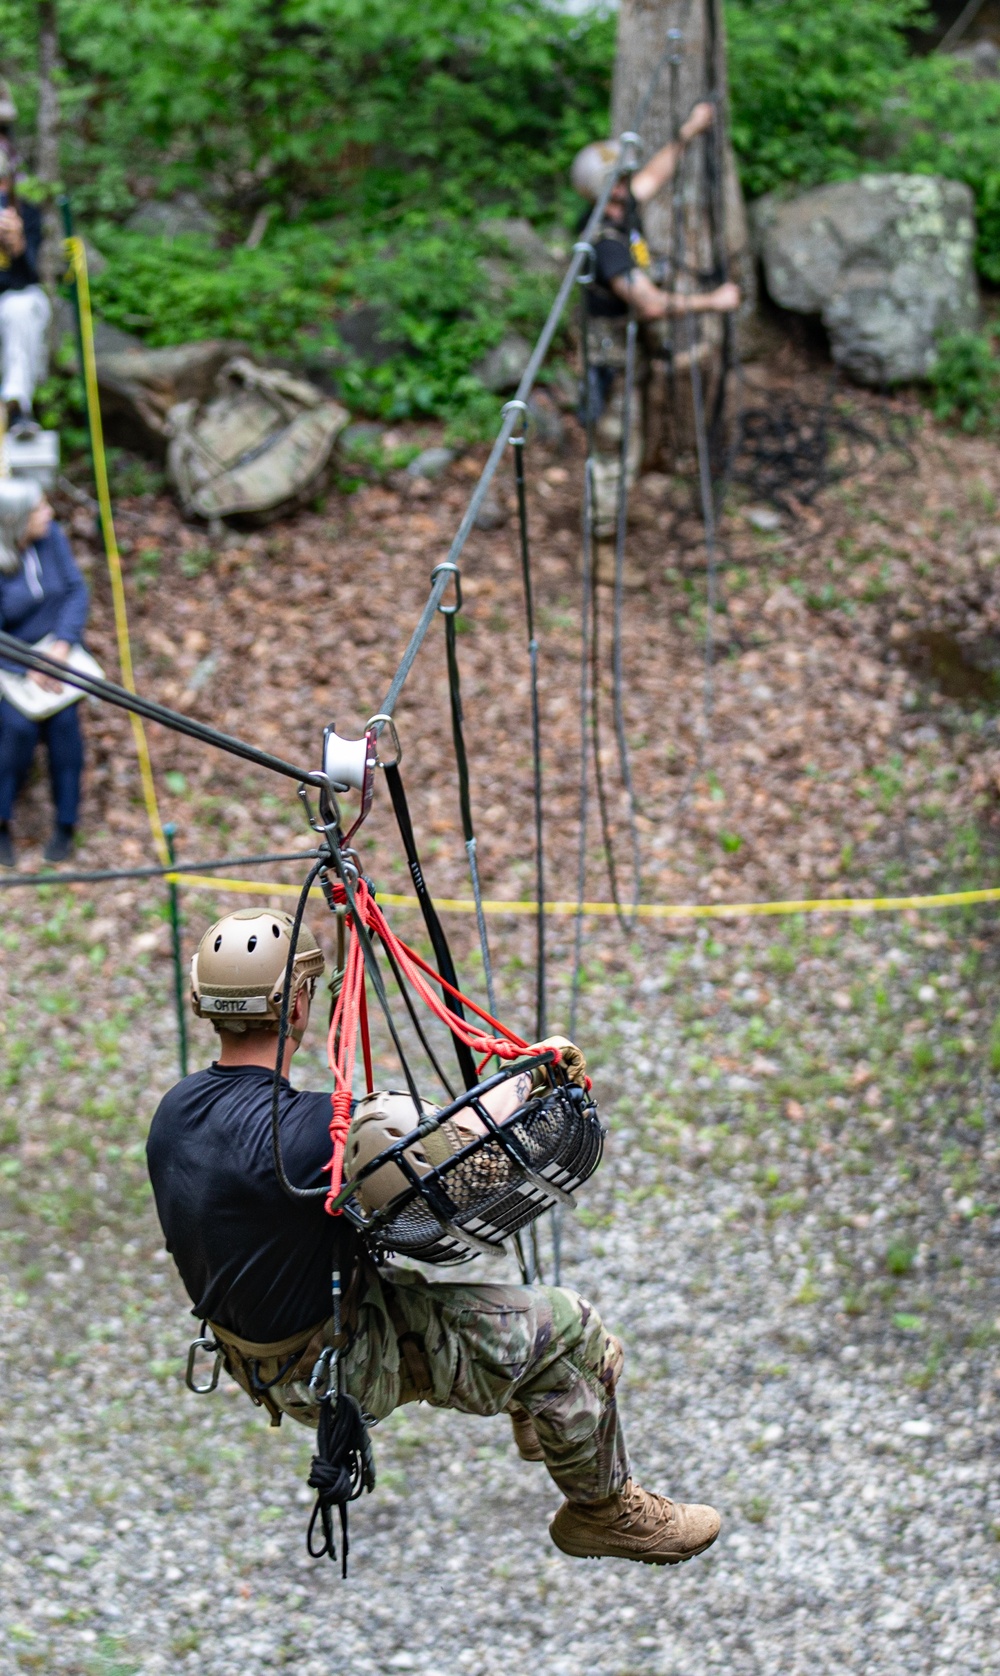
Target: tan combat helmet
[[238, 972], [591, 167]]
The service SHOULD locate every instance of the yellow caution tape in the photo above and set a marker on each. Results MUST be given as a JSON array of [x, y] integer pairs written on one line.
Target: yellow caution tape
[[645, 910], [78, 262]]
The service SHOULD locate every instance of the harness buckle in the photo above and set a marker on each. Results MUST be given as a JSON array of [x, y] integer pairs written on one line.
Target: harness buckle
[[209, 1345]]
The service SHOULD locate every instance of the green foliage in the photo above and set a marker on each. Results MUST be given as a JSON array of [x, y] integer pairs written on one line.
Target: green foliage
[[807, 82], [966, 382], [900, 1257], [320, 101], [284, 296], [944, 122]]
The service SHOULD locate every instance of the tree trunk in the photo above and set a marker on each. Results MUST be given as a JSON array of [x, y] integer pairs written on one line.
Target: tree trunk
[[696, 227], [643, 48], [47, 145]]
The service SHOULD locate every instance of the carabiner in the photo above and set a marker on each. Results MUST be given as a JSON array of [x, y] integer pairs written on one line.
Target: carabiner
[[525, 417], [447, 565], [378, 722], [587, 273], [208, 1345], [324, 1379]]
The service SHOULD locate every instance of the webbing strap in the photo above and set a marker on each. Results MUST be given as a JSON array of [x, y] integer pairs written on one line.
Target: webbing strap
[[464, 798], [435, 930], [541, 1014]]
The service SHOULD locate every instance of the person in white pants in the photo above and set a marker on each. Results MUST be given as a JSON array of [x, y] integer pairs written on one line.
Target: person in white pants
[[25, 310]]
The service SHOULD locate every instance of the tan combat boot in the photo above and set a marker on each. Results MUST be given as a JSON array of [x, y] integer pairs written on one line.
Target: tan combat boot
[[636, 1524]]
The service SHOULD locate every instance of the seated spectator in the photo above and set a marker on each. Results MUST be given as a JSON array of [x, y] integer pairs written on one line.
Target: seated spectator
[[41, 594]]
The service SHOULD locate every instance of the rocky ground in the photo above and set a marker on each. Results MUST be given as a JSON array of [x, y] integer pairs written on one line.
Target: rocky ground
[[797, 1226]]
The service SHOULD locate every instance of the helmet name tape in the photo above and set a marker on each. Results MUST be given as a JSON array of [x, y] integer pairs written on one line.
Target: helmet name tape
[[233, 1003]]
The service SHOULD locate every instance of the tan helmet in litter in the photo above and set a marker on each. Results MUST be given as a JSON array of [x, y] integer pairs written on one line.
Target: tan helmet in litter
[[382, 1118], [238, 972]]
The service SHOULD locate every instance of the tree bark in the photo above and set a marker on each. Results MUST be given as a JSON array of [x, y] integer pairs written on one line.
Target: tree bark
[[47, 141], [643, 45]]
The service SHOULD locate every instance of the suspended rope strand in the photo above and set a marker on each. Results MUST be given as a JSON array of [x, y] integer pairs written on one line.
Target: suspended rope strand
[[464, 797], [541, 1010]]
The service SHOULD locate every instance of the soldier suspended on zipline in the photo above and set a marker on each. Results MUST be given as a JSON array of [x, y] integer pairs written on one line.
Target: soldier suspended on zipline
[[623, 285], [257, 1264]]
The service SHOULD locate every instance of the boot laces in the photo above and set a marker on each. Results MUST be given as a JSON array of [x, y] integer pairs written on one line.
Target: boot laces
[[644, 1507]]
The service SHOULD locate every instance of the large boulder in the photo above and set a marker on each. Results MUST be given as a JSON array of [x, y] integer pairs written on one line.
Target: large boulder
[[885, 261]]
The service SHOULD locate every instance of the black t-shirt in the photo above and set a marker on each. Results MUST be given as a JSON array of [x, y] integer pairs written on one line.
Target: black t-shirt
[[251, 1258], [613, 256], [18, 272]]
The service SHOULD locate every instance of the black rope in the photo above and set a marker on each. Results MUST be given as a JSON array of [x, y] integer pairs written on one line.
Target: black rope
[[464, 797], [289, 1187], [105, 874], [617, 671], [415, 1020], [435, 930], [587, 584], [343, 1467], [28, 658], [541, 1008]]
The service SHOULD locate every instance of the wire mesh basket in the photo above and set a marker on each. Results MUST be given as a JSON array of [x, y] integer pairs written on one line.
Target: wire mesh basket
[[485, 1193]]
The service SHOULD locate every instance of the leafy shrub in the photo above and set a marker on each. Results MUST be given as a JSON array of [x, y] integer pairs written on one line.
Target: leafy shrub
[[942, 121], [966, 382], [284, 298], [808, 81]]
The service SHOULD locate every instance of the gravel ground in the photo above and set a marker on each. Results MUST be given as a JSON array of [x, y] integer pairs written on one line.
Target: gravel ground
[[796, 1231]]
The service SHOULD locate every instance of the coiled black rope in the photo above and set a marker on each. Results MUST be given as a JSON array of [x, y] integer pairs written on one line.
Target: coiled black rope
[[343, 1467]]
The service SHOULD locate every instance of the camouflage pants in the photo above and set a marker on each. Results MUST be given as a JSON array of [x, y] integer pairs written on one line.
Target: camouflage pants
[[487, 1349], [607, 400]]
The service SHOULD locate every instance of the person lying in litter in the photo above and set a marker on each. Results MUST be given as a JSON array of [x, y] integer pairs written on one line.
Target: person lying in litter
[[257, 1266]]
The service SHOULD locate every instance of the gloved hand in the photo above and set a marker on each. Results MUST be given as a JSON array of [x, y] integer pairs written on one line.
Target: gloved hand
[[572, 1059]]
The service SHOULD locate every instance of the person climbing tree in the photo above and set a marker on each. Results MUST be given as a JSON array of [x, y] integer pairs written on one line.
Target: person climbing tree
[[623, 284], [257, 1266]]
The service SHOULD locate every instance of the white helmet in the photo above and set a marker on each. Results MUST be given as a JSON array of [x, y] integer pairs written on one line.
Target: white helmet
[[238, 971], [592, 165]]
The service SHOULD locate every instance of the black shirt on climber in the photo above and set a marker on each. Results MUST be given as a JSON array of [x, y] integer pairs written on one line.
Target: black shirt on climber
[[252, 1259], [619, 246]]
